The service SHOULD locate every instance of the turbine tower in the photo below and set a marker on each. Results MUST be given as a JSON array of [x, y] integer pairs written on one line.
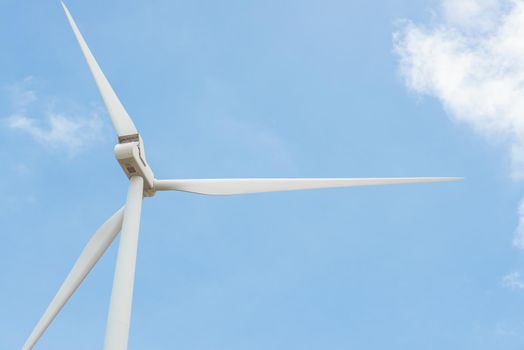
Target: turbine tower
[[130, 154]]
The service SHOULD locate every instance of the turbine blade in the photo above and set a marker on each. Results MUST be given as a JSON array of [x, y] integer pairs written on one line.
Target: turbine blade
[[124, 126], [119, 315], [92, 252], [243, 186]]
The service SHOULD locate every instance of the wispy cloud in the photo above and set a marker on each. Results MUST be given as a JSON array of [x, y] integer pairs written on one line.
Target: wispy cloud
[[513, 281], [21, 94], [37, 117], [472, 59], [58, 130]]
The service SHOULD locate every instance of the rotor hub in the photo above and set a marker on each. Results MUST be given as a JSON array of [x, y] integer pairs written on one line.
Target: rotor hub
[[131, 157]]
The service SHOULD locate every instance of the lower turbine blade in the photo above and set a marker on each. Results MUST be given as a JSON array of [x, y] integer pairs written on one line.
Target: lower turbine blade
[[243, 186], [94, 249], [119, 315]]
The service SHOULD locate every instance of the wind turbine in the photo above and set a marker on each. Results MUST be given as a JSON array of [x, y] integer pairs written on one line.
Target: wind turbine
[[129, 152]]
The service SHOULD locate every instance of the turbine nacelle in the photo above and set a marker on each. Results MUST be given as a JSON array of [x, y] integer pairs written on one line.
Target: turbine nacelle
[[132, 158]]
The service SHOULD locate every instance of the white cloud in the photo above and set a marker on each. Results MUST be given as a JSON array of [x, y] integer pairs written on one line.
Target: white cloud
[[472, 60], [20, 93], [57, 130], [513, 281], [479, 78]]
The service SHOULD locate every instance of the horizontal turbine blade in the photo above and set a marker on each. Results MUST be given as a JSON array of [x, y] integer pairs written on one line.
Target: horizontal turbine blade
[[243, 186], [125, 128], [94, 249]]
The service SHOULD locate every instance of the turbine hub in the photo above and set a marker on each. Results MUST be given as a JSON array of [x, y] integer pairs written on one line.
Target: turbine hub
[[131, 157]]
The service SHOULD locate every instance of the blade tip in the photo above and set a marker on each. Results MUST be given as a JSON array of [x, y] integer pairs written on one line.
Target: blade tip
[[445, 179]]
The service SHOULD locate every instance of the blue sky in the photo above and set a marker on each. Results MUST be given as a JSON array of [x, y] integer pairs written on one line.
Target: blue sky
[[268, 89]]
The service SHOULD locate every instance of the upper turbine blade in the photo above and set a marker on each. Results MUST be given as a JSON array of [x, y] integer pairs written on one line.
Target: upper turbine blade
[[94, 249], [243, 186], [125, 128]]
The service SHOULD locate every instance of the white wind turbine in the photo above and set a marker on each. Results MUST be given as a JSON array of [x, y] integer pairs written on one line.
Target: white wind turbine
[[130, 154]]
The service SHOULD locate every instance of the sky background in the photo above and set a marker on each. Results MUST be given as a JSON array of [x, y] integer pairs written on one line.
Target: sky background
[[269, 89]]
